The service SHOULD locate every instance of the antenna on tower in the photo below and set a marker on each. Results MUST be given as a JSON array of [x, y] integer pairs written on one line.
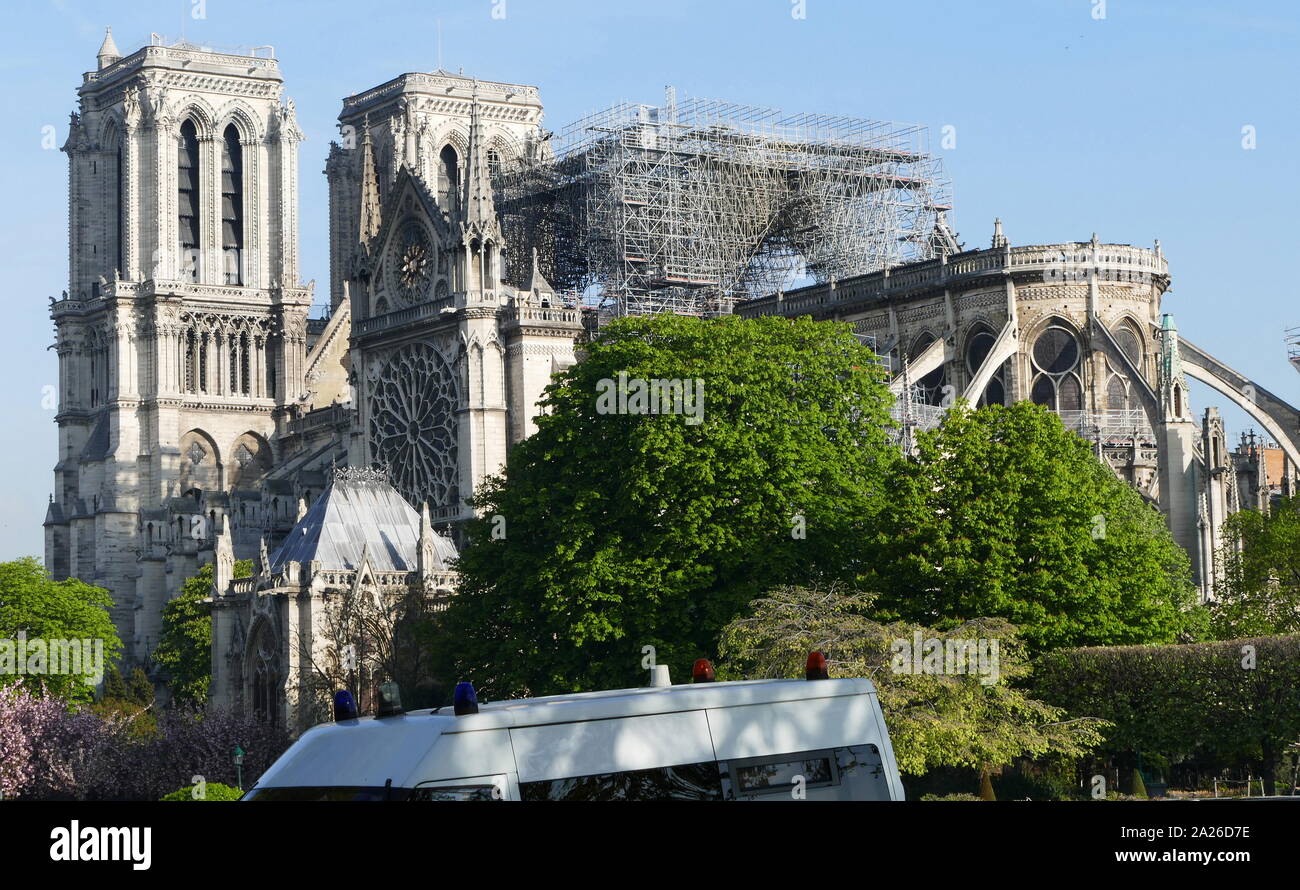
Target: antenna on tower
[[439, 44]]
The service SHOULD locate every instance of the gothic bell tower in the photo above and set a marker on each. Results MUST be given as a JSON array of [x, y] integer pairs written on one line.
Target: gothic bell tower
[[182, 334], [418, 250]]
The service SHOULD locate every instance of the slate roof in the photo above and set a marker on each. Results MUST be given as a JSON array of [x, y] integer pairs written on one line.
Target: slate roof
[[97, 443], [353, 512]]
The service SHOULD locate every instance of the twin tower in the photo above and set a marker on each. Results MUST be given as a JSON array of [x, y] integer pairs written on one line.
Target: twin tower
[[198, 399]]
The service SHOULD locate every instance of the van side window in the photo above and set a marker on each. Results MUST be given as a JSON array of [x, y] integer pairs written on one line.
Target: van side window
[[455, 792], [781, 774], [693, 781]]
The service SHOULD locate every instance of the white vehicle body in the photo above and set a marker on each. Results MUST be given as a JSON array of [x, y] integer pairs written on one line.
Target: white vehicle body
[[754, 739]]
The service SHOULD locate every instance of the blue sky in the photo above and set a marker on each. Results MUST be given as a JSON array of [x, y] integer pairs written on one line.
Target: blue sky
[[1128, 125]]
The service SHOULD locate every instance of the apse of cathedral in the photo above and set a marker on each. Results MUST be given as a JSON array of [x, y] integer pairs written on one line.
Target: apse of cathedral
[[205, 418]]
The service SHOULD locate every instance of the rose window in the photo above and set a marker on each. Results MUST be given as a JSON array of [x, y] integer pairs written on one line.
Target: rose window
[[412, 262], [413, 406]]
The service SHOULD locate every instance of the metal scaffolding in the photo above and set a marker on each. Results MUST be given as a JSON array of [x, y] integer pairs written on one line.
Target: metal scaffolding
[[696, 204]]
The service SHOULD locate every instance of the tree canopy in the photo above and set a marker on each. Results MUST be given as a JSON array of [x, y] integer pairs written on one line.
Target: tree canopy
[[36, 609], [1260, 590], [1005, 513], [611, 532], [184, 650], [969, 712]]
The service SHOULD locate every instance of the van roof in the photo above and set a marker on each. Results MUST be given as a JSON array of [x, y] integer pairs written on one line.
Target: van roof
[[368, 750], [577, 706]]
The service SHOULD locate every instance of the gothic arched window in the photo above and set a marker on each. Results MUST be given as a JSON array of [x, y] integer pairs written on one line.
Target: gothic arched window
[[1055, 356], [265, 694], [931, 384], [187, 200], [1130, 344], [1116, 393], [191, 361], [97, 362], [201, 366], [978, 346], [448, 178], [232, 206]]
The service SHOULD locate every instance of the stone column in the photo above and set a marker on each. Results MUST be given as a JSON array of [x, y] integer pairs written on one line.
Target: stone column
[[167, 264]]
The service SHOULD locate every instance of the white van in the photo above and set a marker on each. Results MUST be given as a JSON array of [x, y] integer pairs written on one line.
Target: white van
[[747, 740]]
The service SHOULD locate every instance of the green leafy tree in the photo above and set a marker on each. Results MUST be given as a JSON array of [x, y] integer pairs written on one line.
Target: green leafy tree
[[138, 689], [971, 713], [184, 650], [114, 684], [1260, 591], [1003, 512], [128, 703], [44, 610], [612, 532]]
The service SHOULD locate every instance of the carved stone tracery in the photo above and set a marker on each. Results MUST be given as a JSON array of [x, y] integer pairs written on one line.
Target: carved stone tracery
[[414, 396]]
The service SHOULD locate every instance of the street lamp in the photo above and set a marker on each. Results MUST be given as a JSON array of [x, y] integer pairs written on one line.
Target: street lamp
[[239, 767]]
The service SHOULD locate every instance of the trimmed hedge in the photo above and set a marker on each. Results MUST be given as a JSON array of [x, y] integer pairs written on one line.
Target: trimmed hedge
[[1238, 700]]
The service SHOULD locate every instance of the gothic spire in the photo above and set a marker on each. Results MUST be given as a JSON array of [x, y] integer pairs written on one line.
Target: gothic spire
[[223, 571], [539, 284], [369, 226], [480, 211], [999, 239], [1173, 385], [263, 559], [425, 551], [108, 53]]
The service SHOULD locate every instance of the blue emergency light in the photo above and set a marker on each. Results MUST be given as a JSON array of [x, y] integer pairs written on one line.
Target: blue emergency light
[[465, 701], [345, 706]]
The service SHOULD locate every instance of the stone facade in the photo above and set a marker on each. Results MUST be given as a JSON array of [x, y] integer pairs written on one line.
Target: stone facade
[[1077, 327], [284, 638], [182, 336], [203, 416]]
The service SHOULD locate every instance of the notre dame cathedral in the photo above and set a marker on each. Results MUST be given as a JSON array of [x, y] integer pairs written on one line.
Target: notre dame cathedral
[[205, 417]]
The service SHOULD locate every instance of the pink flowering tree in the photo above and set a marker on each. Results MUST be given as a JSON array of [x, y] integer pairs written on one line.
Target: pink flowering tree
[[45, 748]]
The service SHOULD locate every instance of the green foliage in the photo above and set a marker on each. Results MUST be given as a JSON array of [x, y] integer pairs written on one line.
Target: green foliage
[[1139, 785], [33, 603], [950, 797], [184, 650], [629, 530], [952, 718], [138, 689], [128, 703], [209, 791], [1237, 700], [1003, 512], [1260, 592], [114, 684]]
